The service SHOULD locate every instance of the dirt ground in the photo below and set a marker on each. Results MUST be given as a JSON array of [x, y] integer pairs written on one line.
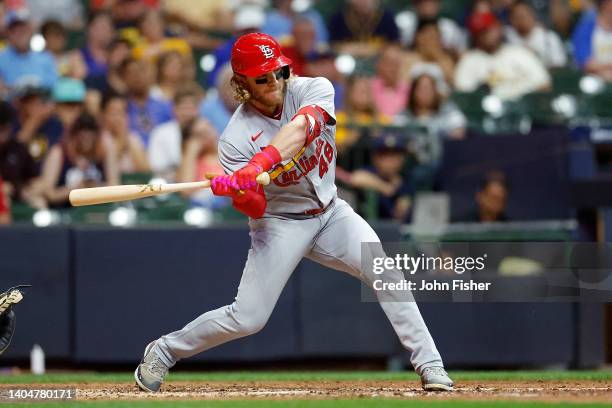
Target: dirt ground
[[547, 391]]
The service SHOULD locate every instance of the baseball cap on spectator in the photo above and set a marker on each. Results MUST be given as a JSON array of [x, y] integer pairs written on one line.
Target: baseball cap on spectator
[[16, 17], [68, 90], [481, 21], [389, 141], [250, 16]]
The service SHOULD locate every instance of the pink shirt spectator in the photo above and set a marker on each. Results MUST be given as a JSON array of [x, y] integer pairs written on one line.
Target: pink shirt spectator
[[390, 101]]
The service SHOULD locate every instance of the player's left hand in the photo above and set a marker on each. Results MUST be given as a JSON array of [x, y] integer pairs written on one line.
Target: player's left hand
[[222, 185], [246, 177]]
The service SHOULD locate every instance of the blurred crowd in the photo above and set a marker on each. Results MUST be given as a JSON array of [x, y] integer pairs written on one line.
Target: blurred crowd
[[93, 91]]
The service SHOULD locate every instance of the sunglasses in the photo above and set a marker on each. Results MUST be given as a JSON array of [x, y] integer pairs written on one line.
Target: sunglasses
[[278, 74]]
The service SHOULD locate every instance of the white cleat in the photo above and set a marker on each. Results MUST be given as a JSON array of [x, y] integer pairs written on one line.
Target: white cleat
[[150, 373]]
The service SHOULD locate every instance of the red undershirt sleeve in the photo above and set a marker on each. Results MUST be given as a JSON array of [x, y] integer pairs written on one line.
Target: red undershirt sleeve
[[252, 203]]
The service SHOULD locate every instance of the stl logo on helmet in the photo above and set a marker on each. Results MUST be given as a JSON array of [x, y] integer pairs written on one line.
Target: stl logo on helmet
[[267, 51]]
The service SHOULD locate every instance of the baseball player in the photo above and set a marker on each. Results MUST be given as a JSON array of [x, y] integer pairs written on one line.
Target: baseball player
[[284, 126]]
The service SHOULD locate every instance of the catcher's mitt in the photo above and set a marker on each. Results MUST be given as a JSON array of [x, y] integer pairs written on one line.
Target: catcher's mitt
[[7, 314]]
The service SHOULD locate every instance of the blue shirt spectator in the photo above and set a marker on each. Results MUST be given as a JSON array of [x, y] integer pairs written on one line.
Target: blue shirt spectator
[[144, 111], [220, 104], [19, 65], [593, 41], [214, 110], [33, 68], [582, 37], [144, 117], [222, 56]]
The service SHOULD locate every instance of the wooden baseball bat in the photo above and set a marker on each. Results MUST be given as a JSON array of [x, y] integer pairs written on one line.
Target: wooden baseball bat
[[112, 194]]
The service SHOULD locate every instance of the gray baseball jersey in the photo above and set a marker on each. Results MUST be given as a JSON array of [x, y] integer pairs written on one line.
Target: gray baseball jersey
[[309, 184]]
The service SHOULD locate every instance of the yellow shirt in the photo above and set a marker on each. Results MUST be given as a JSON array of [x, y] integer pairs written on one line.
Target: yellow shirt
[[145, 50], [344, 123]]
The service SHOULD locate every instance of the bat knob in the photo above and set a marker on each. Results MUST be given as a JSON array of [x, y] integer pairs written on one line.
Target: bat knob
[[263, 179]]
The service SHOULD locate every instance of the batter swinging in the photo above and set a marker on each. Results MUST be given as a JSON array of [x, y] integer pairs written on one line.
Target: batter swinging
[[284, 126]]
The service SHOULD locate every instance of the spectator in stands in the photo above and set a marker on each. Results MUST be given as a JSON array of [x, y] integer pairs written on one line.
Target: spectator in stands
[[526, 30], [36, 124], [562, 18], [324, 65], [127, 15], [499, 8], [69, 97], [427, 48], [386, 177], [145, 112], [427, 104], [165, 147], [359, 112], [5, 207], [199, 15], [171, 75], [94, 55], [453, 38], [17, 167], [434, 118], [281, 18], [81, 160], [247, 18], [20, 66], [195, 19], [362, 28], [199, 159], [130, 152], [389, 89], [219, 105], [118, 51], [302, 46], [592, 41], [510, 71], [491, 199], [67, 63], [68, 13], [154, 41]]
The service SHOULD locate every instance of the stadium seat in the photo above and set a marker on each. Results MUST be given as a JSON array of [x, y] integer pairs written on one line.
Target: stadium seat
[[601, 105], [470, 104], [154, 210], [91, 214], [22, 212], [547, 108], [510, 118], [566, 80]]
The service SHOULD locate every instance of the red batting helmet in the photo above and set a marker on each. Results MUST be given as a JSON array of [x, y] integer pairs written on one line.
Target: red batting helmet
[[256, 54]]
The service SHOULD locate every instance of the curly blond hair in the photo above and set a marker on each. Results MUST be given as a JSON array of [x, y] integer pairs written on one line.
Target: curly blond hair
[[240, 92]]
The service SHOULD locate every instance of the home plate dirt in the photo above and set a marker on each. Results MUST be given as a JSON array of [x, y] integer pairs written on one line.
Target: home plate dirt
[[549, 391]]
